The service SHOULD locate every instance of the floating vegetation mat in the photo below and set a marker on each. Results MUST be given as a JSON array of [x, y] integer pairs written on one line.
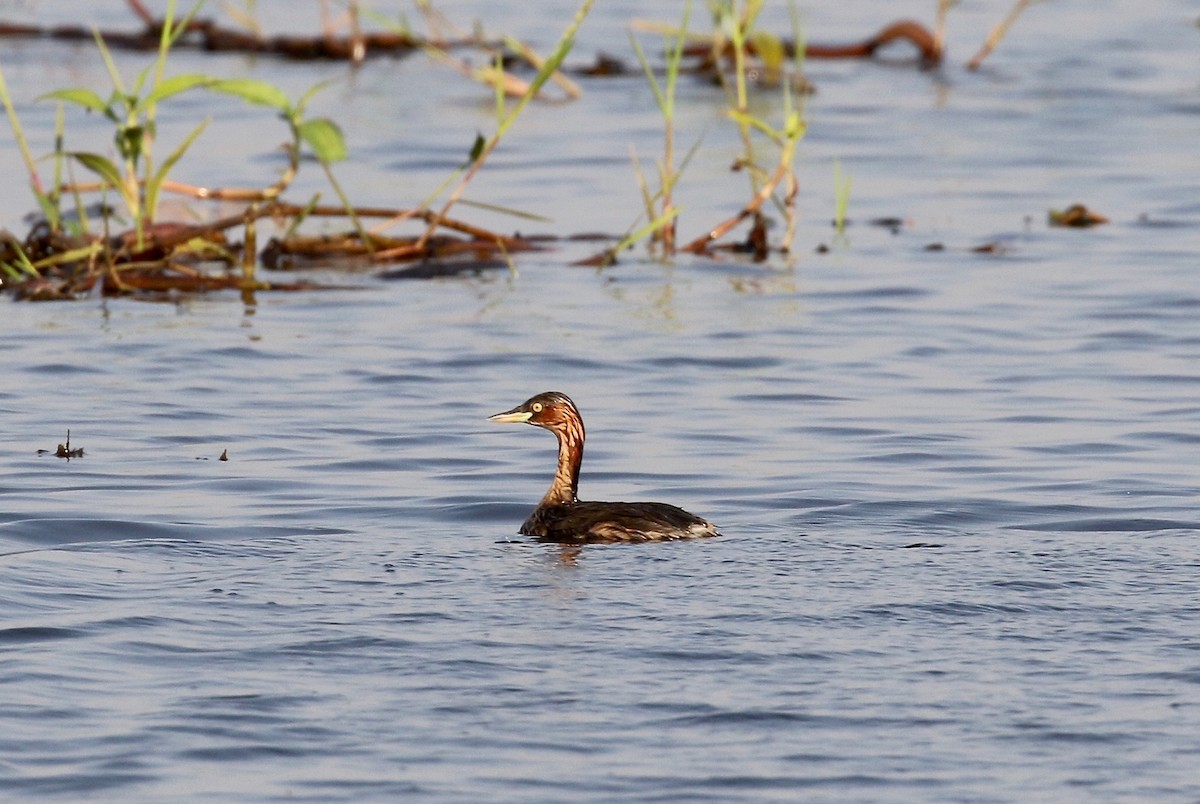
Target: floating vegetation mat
[[77, 247]]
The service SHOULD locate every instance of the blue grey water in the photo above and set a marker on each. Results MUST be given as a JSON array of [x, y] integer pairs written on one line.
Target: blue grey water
[[959, 492]]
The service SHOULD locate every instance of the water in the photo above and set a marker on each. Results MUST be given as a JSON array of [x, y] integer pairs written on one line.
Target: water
[[958, 491]]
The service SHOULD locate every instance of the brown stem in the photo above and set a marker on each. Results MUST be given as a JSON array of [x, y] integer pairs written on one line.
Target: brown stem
[[700, 244]]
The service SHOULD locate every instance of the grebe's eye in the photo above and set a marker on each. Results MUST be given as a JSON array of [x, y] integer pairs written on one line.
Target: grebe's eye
[[537, 407]]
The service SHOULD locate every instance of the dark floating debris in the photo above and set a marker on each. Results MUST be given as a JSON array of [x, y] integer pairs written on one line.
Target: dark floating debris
[[994, 247], [1076, 216], [893, 224], [64, 450], [224, 455], [606, 66]]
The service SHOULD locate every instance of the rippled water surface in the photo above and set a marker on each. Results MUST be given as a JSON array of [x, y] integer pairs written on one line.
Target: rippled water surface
[[958, 491]]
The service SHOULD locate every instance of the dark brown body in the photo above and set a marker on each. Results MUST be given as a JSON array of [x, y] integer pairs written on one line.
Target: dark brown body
[[561, 517], [614, 522]]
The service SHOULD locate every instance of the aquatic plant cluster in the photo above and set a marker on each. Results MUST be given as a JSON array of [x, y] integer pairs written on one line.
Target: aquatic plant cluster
[[106, 235]]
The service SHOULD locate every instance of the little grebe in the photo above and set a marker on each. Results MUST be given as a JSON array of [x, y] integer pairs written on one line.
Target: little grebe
[[562, 517]]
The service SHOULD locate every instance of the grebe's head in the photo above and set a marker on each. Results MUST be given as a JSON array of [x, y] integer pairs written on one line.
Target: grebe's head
[[552, 410]]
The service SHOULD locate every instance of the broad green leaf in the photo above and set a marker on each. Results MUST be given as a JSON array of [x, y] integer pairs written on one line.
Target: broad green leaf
[[99, 165], [253, 91], [325, 139], [79, 96], [173, 86]]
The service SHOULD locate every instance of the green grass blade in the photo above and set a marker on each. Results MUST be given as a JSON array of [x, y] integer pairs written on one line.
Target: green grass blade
[[114, 75], [675, 58], [841, 189], [503, 210], [565, 43], [71, 255], [154, 185], [49, 207], [646, 231], [651, 78], [308, 95], [23, 262]]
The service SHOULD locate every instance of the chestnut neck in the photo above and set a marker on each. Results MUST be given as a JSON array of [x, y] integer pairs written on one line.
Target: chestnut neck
[[564, 489]]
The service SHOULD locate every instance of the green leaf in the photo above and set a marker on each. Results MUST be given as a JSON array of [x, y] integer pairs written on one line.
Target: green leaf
[[253, 91], [99, 165], [651, 78], [140, 82], [130, 141], [79, 96], [22, 262], [325, 139], [746, 119], [302, 104], [794, 128], [770, 50], [476, 148], [154, 186], [173, 86], [548, 68]]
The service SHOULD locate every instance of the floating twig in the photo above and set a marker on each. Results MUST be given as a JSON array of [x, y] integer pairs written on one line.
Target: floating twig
[[64, 450]]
